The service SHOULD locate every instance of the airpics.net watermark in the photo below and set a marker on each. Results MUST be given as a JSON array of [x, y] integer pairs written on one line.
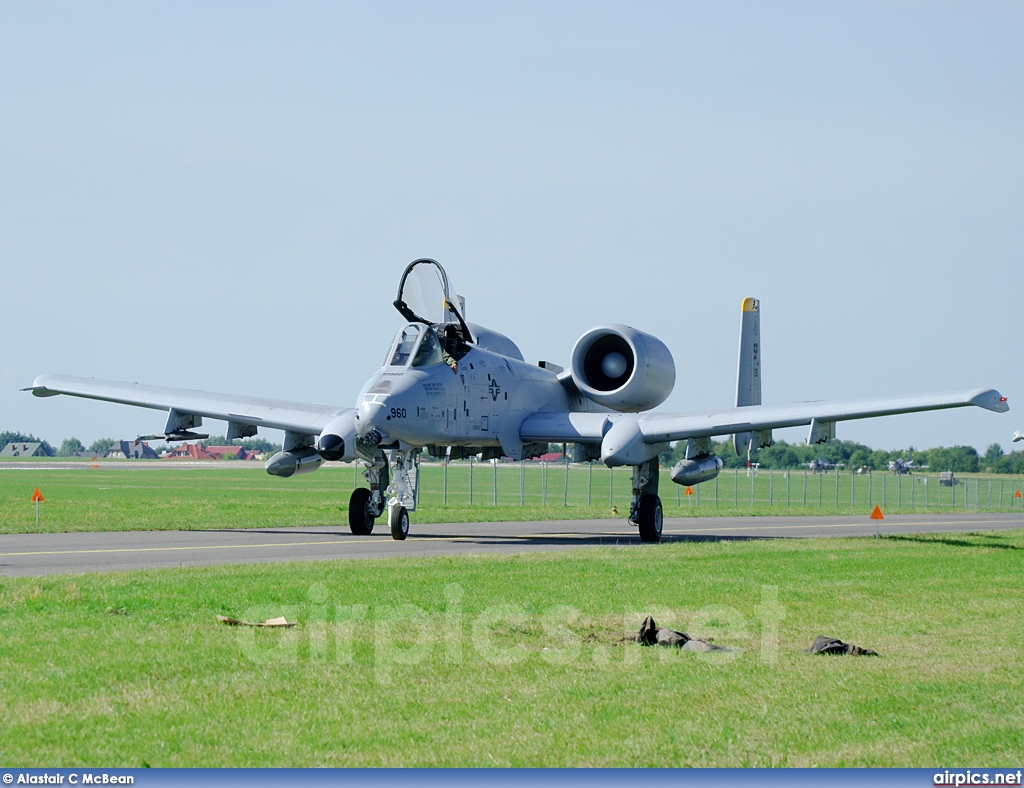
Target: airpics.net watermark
[[962, 777], [501, 634]]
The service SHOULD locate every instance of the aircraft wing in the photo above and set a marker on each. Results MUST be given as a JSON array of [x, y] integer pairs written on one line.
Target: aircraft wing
[[297, 417], [663, 427]]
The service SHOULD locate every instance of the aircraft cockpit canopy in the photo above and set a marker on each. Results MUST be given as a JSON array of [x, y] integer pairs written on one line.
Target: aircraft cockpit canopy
[[425, 295], [419, 343]]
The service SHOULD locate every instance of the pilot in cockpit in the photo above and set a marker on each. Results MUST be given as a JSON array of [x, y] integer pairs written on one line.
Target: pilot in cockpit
[[450, 341]]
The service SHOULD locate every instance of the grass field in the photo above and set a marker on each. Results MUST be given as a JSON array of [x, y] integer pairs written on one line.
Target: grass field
[[518, 660], [148, 496]]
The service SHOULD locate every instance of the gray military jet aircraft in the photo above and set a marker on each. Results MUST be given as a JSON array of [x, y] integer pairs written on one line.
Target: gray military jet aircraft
[[457, 389], [822, 465], [901, 466]]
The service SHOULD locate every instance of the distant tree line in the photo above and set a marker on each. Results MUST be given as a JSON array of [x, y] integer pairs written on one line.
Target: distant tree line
[[260, 445], [782, 455], [99, 447], [853, 455]]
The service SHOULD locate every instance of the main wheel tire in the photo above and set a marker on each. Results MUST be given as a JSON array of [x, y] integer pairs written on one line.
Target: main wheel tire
[[649, 518], [399, 523], [360, 515]]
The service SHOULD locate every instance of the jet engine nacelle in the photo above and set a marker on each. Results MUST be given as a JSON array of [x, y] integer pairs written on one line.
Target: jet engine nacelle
[[622, 368], [337, 442]]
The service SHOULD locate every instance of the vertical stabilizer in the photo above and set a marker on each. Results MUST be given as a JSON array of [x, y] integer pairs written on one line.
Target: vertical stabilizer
[[748, 375]]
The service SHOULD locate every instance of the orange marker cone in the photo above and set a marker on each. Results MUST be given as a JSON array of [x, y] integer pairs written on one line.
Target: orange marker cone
[[876, 514], [1017, 494], [689, 491]]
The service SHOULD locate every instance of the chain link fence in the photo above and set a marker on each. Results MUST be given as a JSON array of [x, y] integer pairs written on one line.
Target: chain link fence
[[595, 486]]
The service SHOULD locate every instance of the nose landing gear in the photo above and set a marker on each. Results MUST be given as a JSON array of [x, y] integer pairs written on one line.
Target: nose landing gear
[[400, 494]]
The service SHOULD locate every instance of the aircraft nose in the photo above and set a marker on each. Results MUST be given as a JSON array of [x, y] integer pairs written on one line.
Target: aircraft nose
[[369, 416]]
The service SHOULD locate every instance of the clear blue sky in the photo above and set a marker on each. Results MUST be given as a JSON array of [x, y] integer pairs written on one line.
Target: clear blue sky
[[224, 195]]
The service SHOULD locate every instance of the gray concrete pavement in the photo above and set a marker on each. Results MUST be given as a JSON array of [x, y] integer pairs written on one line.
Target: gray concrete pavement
[[42, 554]]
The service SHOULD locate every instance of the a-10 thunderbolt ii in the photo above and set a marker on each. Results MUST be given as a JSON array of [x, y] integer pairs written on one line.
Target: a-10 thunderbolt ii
[[455, 389]]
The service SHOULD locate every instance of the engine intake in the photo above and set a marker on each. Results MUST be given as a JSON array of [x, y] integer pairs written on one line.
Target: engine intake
[[622, 368], [337, 442]]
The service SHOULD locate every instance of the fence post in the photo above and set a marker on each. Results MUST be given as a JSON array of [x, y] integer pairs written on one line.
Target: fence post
[[716, 492], [771, 488], [805, 489], [611, 486], [837, 489], [899, 492], [470, 479], [884, 502], [853, 486], [735, 488], [543, 483], [565, 493], [522, 483], [590, 481], [494, 463], [445, 485], [753, 476]]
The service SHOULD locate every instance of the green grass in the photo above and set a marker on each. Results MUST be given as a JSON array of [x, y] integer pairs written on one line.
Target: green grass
[[518, 660], [154, 496]]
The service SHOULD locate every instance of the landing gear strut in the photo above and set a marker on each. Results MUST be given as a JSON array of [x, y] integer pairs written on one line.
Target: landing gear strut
[[402, 491], [645, 511], [365, 506]]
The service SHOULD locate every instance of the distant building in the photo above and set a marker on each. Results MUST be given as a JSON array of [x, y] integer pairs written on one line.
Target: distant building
[[222, 452], [130, 450], [20, 449], [189, 451]]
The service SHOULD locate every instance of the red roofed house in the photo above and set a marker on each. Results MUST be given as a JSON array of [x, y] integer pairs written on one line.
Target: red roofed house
[[190, 451]]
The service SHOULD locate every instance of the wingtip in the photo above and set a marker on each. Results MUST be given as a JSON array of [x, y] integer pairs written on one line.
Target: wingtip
[[749, 305], [38, 388], [990, 399]]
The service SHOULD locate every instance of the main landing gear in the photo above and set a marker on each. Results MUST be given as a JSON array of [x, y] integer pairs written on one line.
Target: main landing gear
[[399, 494], [645, 511]]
